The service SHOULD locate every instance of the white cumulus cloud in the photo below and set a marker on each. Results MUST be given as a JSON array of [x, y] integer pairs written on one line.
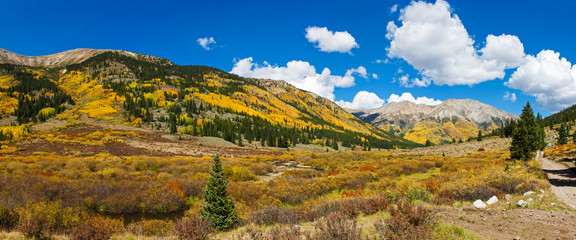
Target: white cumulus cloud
[[506, 49], [408, 97], [360, 71], [329, 41], [206, 43], [363, 101], [436, 43], [549, 78], [300, 74], [510, 96]]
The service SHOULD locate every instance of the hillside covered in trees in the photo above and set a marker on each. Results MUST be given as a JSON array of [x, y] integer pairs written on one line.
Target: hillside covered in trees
[[127, 88]]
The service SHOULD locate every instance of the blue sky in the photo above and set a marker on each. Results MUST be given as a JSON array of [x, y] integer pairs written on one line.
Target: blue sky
[[435, 50]]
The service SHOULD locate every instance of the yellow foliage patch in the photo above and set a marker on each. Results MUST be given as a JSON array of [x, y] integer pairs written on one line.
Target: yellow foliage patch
[[425, 130], [7, 104], [228, 103], [6, 81], [16, 131]]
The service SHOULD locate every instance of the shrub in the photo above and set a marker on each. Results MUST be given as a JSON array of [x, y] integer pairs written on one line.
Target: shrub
[[374, 204], [287, 233], [444, 197], [337, 227], [418, 194], [406, 222], [275, 214], [192, 228], [276, 233], [96, 228], [8, 218], [40, 220], [151, 227]]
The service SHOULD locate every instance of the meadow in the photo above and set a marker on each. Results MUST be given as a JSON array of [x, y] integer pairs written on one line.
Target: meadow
[[352, 194]]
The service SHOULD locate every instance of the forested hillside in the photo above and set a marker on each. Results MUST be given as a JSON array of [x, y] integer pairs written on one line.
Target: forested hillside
[[150, 92]]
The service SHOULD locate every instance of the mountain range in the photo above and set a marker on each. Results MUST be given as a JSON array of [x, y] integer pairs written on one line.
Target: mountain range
[[458, 119], [128, 88]]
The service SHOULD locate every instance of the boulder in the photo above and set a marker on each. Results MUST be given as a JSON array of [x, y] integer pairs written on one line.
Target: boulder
[[492, 200], [522, 203], [479, 204], [528, 193]]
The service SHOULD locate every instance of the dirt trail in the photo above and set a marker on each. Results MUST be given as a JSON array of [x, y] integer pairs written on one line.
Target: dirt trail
[[563, 181]]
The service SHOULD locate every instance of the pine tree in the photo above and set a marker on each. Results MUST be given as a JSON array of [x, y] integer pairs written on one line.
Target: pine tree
[[526, 138], [562, 135], [479, 139], [219, 207]]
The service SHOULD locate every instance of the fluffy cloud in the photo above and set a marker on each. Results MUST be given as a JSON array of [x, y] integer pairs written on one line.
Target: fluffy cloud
[[510, 96], [408, 97], [549, 78], [405, 81], [329, 41], [363, 101], [300, 74], [394, 8], [360, 71], [435, 42], [206, 43], [506, 49]]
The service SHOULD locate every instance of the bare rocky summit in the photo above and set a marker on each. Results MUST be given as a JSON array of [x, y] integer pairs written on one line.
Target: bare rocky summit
[[405, 114], [73, 56]]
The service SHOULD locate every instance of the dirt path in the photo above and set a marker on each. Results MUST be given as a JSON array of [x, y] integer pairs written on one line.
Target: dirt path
[[563, 181], [525, 224]]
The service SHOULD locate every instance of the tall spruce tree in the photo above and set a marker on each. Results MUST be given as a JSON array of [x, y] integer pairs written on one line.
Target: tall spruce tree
[[218, 207], [562, 135], [527, 136], [479, 139]]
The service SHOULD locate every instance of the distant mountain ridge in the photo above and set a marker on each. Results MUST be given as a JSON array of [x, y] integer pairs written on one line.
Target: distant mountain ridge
[[61, 59], [454, 118], [130, 88]]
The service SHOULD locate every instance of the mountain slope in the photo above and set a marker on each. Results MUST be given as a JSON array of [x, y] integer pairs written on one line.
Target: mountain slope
[[452, 119], [564, 116], [129, 88]]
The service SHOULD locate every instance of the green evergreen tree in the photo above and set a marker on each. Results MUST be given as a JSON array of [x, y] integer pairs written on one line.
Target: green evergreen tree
[[218, 207], [479, 139], [526, 138], [562, 135]]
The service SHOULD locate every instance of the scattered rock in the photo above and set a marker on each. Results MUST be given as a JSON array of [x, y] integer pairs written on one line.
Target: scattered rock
[[530, 200], [540, 196], [492, 200], [517, 238], [542, 191], [507, 197], [528, 193], [479, 204], [553, 203], [522, 203]]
